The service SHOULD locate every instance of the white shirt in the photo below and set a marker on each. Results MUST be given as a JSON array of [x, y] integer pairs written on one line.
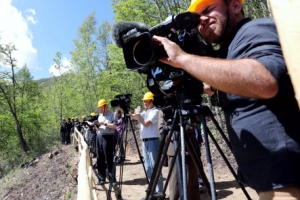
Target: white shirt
[[150, 131]]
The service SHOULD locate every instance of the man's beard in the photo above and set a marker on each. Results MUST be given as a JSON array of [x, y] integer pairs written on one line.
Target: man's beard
[[216, 35]]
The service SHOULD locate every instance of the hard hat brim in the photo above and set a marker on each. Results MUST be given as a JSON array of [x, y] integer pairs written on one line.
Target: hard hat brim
[[199, 5]]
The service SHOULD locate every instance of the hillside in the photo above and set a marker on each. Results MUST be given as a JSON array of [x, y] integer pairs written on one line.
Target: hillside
[[54, 177], [50, 176]]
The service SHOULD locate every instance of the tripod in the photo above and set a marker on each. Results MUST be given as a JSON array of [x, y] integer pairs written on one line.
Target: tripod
[[126, 123], [184, 141]]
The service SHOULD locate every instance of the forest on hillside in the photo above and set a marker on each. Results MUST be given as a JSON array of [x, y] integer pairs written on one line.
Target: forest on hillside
[[31, 111]]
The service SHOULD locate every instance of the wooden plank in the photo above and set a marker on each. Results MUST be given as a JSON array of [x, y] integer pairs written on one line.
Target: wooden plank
[[286, 14]]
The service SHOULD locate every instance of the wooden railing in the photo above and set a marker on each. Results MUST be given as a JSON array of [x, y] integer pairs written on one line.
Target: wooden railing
[[86, 186]]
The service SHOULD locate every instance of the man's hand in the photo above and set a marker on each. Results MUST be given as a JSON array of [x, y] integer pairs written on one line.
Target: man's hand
[[207, 89], [173, 51]]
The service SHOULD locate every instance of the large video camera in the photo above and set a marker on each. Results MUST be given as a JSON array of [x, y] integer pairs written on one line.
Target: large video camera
[[141, 53], [123, 101]]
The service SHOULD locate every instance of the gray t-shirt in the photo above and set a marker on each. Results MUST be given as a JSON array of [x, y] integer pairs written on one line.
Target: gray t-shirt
[[107, 118], [264, 133]]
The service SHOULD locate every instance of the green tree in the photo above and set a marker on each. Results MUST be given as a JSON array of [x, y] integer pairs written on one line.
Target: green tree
[[86, 59], [9, 88]]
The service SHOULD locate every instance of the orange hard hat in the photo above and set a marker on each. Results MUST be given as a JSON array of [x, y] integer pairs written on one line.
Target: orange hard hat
[[197, 5]]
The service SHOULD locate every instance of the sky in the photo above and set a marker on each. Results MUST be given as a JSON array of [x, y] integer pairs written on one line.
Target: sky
[[40, 28]]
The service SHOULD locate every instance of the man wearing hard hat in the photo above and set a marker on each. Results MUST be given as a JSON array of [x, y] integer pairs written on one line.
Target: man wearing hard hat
[[105, 143], [255, 93], [150, 136]]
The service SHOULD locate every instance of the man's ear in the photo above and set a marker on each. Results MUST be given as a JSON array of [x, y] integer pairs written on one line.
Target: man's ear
[[235, 6]]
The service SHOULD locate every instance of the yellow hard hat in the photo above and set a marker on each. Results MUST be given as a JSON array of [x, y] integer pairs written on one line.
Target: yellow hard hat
[[73, 118], [93, 114], [197, 5], [102, 102], [148, 96], [83, 117], [64, 119]]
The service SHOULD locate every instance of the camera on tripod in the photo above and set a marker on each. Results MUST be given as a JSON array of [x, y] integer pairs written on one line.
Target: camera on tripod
[[141, 53], [123, 101]]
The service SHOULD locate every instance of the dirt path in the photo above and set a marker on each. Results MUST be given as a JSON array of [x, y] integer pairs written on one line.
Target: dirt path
[[134, 183], [55, 178]]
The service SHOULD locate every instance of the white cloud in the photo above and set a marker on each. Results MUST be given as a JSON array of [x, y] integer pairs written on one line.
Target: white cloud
[[32, 11], [31, 19], [14, 29], [30, 16], [65, 68]]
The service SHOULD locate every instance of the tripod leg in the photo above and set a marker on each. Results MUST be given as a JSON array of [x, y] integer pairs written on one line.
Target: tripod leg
[[209, 163], [157, 166], [161, 156], [208, 112], [123, 154], [227, 163], [197, 163], [183, 162], [178, 160], [137, 147], [171, 166]]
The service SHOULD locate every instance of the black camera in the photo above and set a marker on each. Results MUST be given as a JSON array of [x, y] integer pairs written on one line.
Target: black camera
[[140, 53], [96, 123], [123, 101], [171, 87]]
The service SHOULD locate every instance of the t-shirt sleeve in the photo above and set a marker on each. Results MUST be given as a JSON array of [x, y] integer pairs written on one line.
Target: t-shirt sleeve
[[259, 40], [153, 116]]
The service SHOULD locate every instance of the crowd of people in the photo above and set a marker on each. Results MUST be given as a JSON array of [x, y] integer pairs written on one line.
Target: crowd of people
[[103, 134], [66, 128], [250, 79]]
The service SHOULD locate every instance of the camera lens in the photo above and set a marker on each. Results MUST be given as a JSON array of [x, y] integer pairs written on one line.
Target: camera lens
[[142, 52]]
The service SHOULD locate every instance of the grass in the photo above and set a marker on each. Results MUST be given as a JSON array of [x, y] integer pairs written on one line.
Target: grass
[[68, 195]]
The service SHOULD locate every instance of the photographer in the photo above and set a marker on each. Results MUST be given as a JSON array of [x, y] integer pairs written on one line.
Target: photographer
[[85, 129], [118, 134], [69, 129], [63, 130], [77, 124], [150, 135], [105, 143], [255, 92], [93, 136]]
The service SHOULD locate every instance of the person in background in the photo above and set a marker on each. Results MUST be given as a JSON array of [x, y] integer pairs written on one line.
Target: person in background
[[149, 132], [118, 142], [70, 127], [77, 124], [63, 130], [105, 143]]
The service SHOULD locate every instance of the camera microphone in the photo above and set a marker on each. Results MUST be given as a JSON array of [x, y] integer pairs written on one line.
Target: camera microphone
[[119, 29]]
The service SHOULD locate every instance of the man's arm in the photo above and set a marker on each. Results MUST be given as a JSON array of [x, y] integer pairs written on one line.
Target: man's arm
[[244, 77], [108, 125], [138, 117]]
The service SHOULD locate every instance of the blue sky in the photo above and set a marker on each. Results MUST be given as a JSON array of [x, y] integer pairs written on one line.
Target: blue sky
[[40, 28]]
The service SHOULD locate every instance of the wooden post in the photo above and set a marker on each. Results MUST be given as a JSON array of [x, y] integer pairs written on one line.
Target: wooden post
[[286, 13]]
